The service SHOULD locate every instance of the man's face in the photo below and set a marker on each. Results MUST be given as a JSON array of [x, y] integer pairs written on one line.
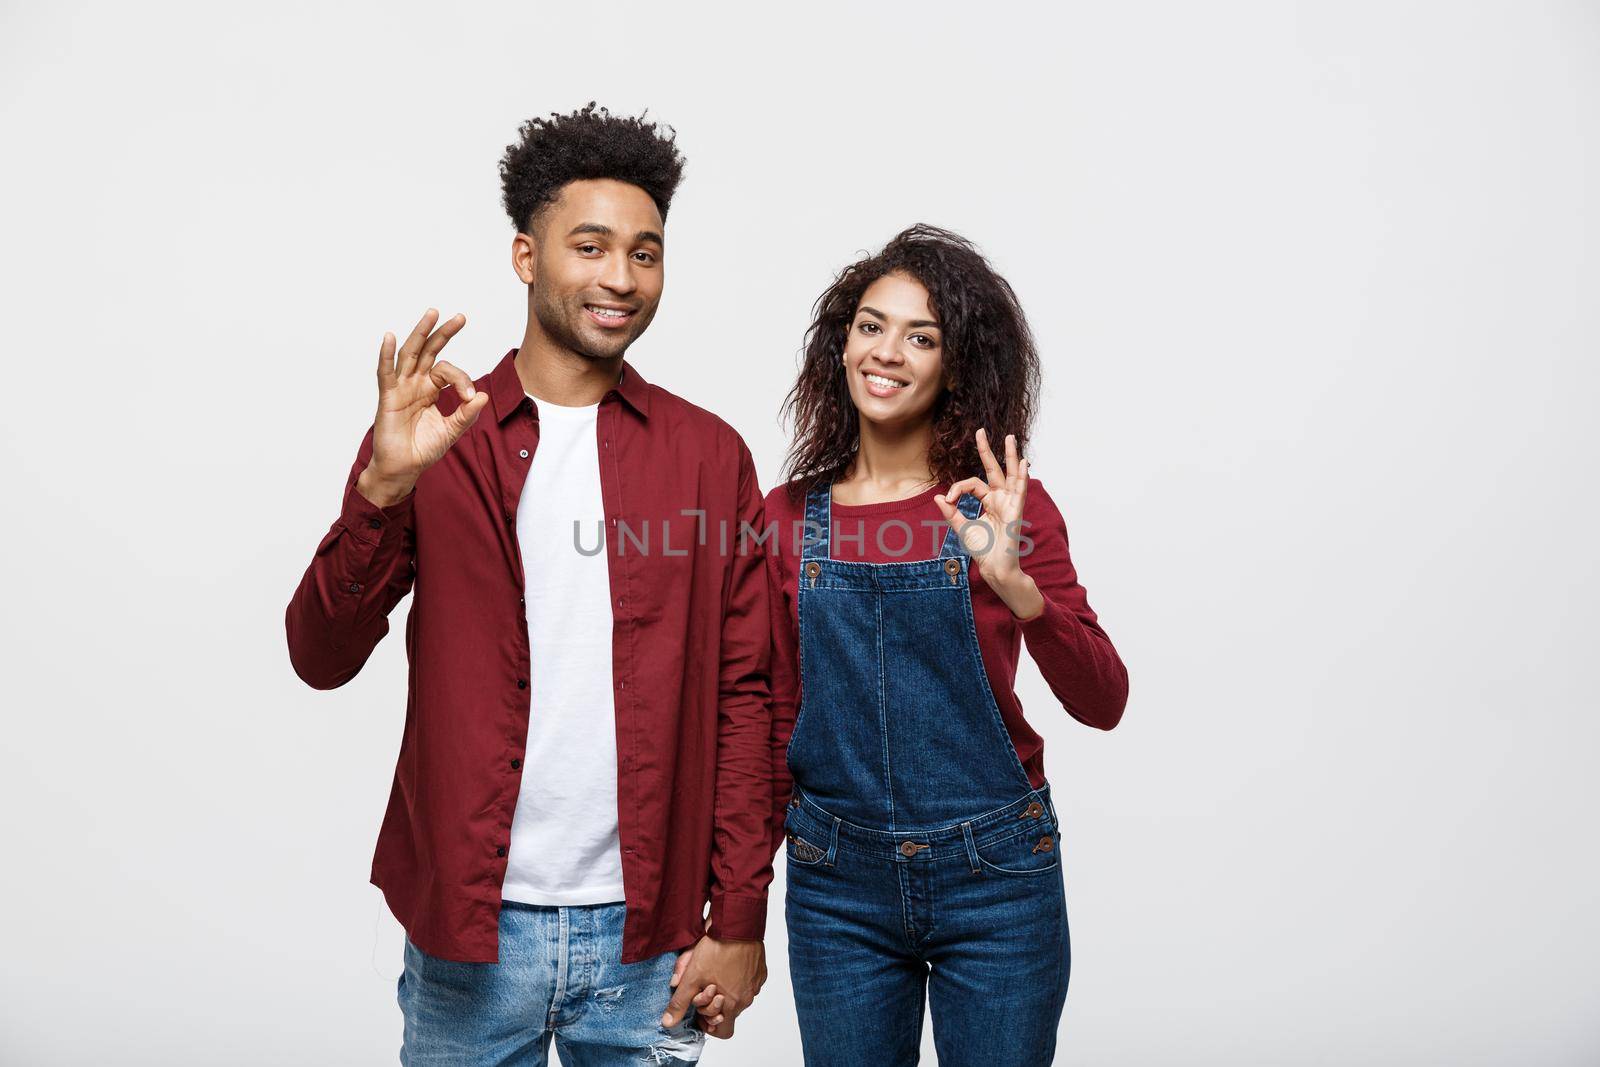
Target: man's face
[[596, 266]]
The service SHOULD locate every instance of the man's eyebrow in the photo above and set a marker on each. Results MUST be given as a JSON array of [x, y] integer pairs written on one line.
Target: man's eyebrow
[[603, 230], [881, 317]]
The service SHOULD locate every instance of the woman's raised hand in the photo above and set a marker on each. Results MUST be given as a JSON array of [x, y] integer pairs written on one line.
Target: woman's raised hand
[[993, 538], [409, 435]]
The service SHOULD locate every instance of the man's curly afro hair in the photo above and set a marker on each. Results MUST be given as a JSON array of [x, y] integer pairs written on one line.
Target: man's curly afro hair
[[588, 143]]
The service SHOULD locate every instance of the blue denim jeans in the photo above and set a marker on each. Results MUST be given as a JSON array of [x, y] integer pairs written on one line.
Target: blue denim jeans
[[974, 919], [558, 976]]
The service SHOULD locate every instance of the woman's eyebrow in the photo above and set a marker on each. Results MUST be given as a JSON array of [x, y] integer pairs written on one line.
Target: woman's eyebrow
[[880, 316]]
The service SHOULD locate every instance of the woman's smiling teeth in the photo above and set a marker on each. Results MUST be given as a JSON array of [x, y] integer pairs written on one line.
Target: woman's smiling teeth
[[878, 385]]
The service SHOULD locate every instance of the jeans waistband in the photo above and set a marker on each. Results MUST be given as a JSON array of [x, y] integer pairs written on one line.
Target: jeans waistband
[[828, 831]]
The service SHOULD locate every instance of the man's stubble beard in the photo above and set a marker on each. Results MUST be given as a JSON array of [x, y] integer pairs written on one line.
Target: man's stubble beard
[[554, 319]]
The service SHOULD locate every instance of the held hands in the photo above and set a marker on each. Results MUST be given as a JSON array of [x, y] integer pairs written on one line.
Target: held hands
[[720, 978], [409, 435], [993, 538]]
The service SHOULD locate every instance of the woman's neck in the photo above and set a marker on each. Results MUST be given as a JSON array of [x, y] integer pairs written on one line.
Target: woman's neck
[[890, 464]]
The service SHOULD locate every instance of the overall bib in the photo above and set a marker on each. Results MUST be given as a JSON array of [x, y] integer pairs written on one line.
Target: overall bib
[[920, 858]]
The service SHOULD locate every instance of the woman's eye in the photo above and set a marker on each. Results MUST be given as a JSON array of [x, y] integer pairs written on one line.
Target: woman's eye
[[929, 342], [866, 325]]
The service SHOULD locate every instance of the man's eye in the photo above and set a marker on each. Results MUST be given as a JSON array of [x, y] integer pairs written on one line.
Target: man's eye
[[586, 248], [646, 257]]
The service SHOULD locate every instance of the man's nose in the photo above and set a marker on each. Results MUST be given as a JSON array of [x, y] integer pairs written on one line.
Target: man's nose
[[617, 276]]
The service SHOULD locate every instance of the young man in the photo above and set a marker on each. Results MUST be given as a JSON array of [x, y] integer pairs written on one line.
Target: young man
[[584, 761]]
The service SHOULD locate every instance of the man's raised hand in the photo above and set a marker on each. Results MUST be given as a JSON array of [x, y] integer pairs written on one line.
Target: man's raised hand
[[409, 435]]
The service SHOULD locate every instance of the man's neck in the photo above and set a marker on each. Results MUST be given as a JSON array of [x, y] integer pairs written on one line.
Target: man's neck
[[556, 374]]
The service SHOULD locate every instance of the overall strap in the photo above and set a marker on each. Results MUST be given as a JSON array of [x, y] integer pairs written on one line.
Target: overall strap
[[818, 520], [970, 507]]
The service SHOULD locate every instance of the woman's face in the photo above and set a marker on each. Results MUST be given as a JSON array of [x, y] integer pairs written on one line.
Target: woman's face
[[893, 355]]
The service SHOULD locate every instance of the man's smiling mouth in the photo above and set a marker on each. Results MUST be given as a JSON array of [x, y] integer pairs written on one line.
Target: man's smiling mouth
[[607, 315]]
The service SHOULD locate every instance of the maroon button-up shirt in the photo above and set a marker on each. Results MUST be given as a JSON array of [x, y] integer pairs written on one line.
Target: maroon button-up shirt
[[690, 651]]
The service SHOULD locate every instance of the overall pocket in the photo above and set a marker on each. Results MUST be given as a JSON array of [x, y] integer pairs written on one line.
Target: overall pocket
[[1029, 853], [801, 851]]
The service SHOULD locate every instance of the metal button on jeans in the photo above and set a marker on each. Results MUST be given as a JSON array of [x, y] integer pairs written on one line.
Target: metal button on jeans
[[908, 848], [813, 569]]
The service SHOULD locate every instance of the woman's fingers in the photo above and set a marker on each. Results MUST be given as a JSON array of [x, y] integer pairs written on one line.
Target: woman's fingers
[[976, 486], [1011, 459], [986, 454], [682, 965]]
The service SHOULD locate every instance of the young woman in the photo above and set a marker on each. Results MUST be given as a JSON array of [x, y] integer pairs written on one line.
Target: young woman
[[911, 563]]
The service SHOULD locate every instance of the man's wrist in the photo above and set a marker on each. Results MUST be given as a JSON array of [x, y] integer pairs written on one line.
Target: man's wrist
[[380, 491]]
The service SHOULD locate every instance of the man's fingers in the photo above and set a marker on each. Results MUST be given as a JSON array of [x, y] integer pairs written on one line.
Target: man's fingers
[[413, 346], [444, 373], [438, 339], [386, 362], [679, 1004], [464, 416]]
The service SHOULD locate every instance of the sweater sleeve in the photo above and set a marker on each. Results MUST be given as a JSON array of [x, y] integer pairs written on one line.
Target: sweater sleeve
[[1066, 640], [785, 677]]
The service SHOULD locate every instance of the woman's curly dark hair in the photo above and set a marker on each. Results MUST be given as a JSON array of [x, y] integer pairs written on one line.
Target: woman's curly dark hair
[[989, 360], [588, 143]]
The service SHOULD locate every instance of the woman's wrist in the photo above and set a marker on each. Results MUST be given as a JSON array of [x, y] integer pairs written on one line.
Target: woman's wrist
[[1021, 594]]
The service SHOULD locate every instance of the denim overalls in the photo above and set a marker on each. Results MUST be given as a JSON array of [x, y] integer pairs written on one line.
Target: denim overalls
[[919, 856]]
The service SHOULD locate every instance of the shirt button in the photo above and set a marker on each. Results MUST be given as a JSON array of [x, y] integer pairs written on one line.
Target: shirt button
[[523, 453], [522, 683], [501, 851], [354, 587], [376, 524], [516, 764], [606, 443]]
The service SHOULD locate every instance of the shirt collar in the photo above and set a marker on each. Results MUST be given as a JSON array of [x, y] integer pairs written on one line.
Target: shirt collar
[[507, 394]]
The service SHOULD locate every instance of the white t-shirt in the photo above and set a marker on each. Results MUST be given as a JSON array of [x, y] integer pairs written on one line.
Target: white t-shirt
[[564, 847]]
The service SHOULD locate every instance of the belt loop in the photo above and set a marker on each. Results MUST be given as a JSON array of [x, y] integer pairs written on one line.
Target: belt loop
[[972, 848], [833, 842]]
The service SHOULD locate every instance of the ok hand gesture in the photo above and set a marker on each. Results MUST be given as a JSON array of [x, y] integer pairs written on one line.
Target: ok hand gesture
[[409, 435], [993, 538]]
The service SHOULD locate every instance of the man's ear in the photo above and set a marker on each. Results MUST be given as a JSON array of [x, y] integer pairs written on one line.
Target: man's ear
[[525, 257]]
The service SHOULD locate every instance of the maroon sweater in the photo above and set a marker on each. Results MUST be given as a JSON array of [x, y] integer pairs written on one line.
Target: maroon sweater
[[1073, 653]]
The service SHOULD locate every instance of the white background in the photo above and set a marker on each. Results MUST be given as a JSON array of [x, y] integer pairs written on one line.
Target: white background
[[1315, 286]]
